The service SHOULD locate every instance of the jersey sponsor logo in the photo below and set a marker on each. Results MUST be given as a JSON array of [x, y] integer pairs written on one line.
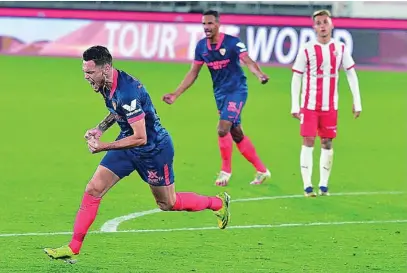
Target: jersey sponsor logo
[[153, 177], [132, 108], [222, 51], [217, 65]]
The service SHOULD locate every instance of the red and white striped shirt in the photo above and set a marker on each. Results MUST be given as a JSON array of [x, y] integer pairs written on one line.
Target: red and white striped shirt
[[320, 64]]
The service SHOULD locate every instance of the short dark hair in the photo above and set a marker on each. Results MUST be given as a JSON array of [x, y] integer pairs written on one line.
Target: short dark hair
[[99, 54], [213, 13]]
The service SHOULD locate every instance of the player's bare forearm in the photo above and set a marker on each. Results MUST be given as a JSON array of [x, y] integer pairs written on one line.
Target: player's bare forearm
[[107, 122], [255, 69], [127, 142], [186, 83]]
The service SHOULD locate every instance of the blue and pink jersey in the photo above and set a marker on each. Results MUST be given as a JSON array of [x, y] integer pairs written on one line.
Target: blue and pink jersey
[[129, 101], [223, 61]]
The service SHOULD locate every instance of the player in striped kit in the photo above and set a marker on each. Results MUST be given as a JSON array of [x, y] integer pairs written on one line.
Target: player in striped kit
[[317, 67]]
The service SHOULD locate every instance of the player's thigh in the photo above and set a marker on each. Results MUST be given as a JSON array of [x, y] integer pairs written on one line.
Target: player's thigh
[[158, 172], [328, 124], [308, 123], [232, 108], [120, 163], [156, 167], [102, 180]]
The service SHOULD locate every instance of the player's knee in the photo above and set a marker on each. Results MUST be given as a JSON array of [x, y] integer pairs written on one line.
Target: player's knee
[[222, 132], [166, 205], [308, 141], [95, 189], [326, 143], [237, 136]]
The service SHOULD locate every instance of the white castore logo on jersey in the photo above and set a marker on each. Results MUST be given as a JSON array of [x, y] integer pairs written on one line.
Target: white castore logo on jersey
[[242, 46], [132, 108]]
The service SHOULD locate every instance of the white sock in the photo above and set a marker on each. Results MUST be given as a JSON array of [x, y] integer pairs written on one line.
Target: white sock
[[306, 165], [325, 166]]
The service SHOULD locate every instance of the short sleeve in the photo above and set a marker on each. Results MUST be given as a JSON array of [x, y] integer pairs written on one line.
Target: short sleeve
[[131, 103], [240, 48], [347, 60], [198, 57], [300, 61]]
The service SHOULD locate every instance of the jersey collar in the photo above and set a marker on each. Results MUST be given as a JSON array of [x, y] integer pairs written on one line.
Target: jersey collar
[[114, 83], [221, 37]]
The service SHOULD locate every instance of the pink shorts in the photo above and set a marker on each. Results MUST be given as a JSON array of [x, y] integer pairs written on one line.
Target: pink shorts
[[321, 122]]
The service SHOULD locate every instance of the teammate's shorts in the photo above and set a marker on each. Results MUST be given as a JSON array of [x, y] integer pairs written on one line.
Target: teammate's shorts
[[322, 122], [230, 107], [154, 167]]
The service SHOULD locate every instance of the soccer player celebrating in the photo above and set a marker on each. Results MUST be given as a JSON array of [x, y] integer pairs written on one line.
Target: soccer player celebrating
[[222, 54], [142, 145], [317, 65]]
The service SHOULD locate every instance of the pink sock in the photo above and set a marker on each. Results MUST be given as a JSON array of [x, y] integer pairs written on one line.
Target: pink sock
[[84, 219], [249, 152], [190, 201], [226, 148]]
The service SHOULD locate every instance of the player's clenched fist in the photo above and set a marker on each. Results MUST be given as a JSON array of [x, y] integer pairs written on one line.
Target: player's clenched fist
[[264, 78], [169, 98], [95, 146], [296, 115], [95, 132]]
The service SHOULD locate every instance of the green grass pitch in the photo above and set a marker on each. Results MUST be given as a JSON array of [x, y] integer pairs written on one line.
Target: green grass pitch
[[46, 107]]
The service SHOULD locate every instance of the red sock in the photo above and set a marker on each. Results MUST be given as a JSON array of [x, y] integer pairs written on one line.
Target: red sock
[[249, 152], [190, 201], [226, 148], [84, 219]]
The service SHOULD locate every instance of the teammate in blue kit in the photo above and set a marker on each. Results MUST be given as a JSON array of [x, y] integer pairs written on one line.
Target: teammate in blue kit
[[142, 145], [222, 54]]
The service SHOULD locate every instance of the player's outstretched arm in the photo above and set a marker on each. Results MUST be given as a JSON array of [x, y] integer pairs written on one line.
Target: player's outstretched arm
[[105, 124], [189, 79], [255, 68]]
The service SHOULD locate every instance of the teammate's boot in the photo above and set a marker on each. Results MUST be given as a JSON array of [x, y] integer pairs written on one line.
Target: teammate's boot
[[223, 214], [323, 191], [260, 177], [309, 192], [223, 179], [64, 253]]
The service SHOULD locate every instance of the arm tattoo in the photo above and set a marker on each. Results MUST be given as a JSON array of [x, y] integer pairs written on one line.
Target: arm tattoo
[[106, 122]]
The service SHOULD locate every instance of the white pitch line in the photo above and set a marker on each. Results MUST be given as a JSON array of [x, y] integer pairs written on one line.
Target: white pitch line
[[213, 228], [113, 224]]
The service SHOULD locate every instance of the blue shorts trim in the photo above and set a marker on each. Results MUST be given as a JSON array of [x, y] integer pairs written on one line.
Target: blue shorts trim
[[155, 167], [230, 107]]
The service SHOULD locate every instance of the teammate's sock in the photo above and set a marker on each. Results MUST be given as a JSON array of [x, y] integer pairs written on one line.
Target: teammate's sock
[[306, 165], [84, 219], [226, 148], [247, 149], [325, 166], [189, 201]]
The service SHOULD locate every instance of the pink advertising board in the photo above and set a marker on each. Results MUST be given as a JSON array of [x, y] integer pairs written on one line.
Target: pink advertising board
[[271, 40]]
